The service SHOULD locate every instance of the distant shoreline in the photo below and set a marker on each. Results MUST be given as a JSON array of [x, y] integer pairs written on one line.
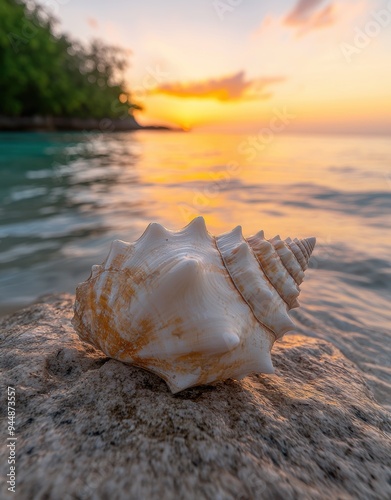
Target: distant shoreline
[[64, 124]]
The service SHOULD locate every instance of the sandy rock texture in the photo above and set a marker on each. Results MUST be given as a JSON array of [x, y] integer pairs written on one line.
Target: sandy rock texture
[[91, 427]]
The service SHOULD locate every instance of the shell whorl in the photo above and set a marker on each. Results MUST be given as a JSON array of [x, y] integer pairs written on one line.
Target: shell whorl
[[267, 274], [252, 283]]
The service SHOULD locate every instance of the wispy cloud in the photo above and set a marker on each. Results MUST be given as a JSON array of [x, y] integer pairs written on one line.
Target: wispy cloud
[[228, 88], [309, 15], [302, 10], [92, 22]]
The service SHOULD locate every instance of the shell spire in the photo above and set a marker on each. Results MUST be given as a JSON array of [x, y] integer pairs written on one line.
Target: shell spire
[[309, 243], [190, 307], [274, 269], [250, 280]]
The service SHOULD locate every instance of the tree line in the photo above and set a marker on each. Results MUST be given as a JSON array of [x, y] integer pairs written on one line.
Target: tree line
[[44, 72]]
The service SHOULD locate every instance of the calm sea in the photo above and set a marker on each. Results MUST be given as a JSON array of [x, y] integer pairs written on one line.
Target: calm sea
[[64, 197]]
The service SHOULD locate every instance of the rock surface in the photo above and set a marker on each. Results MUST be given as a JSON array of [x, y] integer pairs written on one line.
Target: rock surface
[[91, 427]]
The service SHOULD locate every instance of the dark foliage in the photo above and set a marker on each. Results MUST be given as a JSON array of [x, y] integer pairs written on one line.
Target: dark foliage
[[46, 73]]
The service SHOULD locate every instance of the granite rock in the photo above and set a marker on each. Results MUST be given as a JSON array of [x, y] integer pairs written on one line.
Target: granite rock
[[91, 427]]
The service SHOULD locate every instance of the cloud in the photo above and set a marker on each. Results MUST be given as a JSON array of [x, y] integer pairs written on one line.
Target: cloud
[[302, 10], [92, 23], [228, 88], [306, 16]]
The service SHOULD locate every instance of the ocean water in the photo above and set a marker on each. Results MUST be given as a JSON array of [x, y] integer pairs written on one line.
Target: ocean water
[[65, 197]]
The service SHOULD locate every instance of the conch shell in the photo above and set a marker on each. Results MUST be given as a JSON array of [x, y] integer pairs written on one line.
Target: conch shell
[[190, 307]]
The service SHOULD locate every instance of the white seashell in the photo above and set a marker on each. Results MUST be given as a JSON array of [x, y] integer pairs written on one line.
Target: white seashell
[[192, 308]]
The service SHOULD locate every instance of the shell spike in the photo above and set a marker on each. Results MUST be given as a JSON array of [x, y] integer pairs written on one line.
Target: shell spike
[[118, 253], [242, 251], [266, 365], [183, 275], [260, 235], [189, 270], [95, 271], [237, 232], [196, 227], [275, 239], [154, 232]]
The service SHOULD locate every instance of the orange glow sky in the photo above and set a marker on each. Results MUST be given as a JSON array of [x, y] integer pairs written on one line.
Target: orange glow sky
[[234, 65]]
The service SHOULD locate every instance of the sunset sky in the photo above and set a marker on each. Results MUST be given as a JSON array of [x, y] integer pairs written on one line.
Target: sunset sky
[[234, 65]]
